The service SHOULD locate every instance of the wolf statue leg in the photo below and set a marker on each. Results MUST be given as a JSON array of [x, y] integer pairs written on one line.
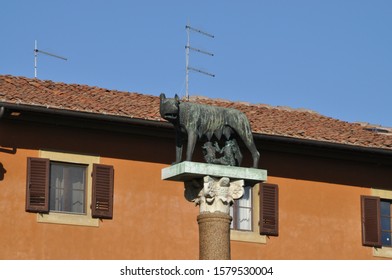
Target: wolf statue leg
[[255, 154], [192, 138], [250, 144], [178, 154], [237, 152], [256, 158], [179, 144]]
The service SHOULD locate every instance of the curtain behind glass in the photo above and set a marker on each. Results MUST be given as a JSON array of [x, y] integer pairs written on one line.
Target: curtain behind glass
[[67, 188]]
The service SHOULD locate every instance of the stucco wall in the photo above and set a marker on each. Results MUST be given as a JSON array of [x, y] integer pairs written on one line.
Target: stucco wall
[[319, 202]]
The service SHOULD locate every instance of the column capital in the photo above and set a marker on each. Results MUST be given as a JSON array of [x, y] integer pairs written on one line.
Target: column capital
[[214, 194]]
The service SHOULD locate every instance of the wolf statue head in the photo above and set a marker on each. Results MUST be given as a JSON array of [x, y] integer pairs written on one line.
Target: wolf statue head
[[169, 108], [210, 123]]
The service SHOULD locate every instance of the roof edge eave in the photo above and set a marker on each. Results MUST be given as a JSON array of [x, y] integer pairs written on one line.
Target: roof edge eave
[[82, 114], [323, 144], [164, 124]]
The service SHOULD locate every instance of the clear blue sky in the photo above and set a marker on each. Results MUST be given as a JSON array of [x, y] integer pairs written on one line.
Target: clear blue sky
[[331, 56]]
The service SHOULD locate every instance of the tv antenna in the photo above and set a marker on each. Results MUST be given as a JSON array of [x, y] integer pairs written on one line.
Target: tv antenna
[[36, 51], [188, 48]]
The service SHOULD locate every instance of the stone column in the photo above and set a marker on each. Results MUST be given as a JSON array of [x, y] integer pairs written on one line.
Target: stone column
[[213, 188], [214, 197]]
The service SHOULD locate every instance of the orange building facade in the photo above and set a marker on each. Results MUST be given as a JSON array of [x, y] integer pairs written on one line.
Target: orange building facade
[[322, 183]]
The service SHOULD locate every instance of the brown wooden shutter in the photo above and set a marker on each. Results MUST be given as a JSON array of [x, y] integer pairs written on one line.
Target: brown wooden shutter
[[371, 221], [102, 202], [37, 189], [269, 209]]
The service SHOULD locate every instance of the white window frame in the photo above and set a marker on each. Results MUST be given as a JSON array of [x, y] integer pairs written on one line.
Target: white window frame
[[254, 235]]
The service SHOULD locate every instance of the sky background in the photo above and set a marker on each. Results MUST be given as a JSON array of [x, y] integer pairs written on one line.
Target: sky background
[[333, 56]]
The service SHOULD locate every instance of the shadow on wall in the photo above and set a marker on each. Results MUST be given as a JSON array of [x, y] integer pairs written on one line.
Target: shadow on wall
[[2, 169], [158, 146], [8, 150], [2, 172], [328, 170]]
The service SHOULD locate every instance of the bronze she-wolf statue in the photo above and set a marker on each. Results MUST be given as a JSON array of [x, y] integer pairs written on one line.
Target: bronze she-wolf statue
[[199, 121]]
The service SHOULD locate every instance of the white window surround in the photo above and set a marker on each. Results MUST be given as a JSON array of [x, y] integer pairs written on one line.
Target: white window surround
[[254, 235], [66, 218], [383, 252]]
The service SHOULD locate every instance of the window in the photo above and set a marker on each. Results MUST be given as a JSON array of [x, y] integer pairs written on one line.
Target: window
[[61, 190], [386, 233], [241, 211], [255, 215], [376, 222]]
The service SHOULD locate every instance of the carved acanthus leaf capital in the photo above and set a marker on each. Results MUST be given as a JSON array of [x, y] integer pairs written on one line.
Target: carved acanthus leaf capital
[[214, 194]]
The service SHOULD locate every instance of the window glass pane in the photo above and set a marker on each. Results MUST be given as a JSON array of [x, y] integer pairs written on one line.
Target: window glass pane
[[67, 187], [231, 215], [385, 208], [244, 219], [386, 223], [244, 210], [386, 238], [246, 199], [241, 211]]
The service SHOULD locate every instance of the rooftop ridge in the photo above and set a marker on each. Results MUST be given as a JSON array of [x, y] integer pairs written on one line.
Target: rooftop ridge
[[197, 98]]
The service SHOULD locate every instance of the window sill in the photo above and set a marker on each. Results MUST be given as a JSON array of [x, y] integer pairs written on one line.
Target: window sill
[[247, 236], [67, 219], [384, 252]]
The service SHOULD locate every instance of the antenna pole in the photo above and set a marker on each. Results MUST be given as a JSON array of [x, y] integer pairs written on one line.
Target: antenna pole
[[36, 51], [188, 48], [35, 58]]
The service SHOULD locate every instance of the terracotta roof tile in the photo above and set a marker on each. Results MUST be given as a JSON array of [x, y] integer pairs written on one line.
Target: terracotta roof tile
[[264, 119]]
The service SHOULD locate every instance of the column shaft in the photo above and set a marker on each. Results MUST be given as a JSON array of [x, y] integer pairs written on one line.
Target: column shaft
[[214, 236]]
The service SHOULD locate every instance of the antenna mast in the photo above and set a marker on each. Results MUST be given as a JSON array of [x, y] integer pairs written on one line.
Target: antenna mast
[[188, 48], [36, 51]]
